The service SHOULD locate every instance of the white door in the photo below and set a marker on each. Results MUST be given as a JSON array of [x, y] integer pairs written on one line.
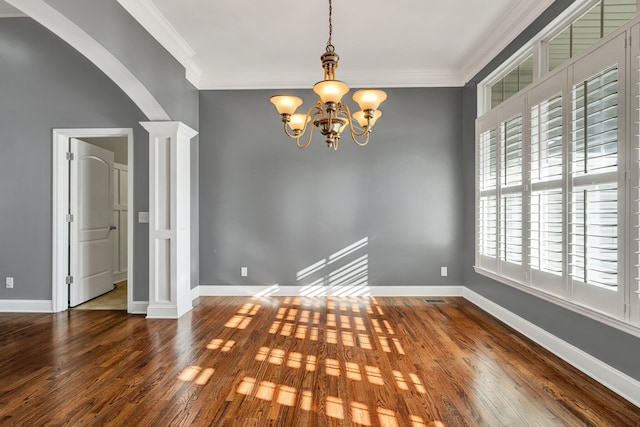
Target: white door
[[91, 231]]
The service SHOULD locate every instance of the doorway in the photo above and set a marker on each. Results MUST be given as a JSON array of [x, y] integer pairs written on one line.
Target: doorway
[[118, 143]]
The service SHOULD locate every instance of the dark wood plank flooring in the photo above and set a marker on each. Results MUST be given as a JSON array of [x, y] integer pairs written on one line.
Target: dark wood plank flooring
[[237, 361]]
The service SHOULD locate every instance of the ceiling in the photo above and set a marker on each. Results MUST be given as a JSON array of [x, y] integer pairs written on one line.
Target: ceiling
[[247, 44], [252, 44]]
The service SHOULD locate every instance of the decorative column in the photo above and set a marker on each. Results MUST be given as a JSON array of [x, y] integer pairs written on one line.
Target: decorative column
[[169, 219]]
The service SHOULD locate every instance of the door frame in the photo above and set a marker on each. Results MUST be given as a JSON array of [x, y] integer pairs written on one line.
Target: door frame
[[60, 208]]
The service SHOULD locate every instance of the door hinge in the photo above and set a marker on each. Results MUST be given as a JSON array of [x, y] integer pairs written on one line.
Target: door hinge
[[69, 156], [68, 280], [69, 217]]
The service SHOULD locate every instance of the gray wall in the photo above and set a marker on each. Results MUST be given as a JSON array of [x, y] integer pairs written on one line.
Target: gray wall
[[112, 26], [610, 345], [276, 209], [46, 84]]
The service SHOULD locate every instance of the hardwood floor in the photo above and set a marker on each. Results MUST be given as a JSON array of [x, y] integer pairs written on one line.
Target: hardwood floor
[[237, 361]]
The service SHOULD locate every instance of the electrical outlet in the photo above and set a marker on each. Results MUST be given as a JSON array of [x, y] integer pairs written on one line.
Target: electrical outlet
[[9, 282], [443, 271], [244, 271]]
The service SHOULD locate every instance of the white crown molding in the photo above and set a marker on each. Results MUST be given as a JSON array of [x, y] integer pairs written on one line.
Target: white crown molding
[[64, 28], [265, 79], [148, 15], [514, 23], [26, 306]]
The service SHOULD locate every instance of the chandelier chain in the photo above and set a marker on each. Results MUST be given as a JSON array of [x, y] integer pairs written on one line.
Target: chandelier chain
[[330, 47]]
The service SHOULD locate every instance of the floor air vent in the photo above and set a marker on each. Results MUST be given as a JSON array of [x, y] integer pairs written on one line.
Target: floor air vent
[[435, 301]]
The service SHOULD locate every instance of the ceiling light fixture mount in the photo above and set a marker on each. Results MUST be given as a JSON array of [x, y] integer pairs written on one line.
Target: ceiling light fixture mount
[[329, 114]]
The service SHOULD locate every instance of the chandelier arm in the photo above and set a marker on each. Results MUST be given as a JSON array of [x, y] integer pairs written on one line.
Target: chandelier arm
[[352, 127], [286, 131], [363, 143], [308, 140], [304, 129], [318, 111]]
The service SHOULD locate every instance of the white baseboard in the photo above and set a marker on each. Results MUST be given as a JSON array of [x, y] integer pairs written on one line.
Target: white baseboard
[[120, 276], [289, 291], [617, 381], [417, 291], [26, 306], [138, 307]]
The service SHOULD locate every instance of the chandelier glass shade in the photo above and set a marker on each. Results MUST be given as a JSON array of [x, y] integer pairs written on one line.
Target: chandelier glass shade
[[330, 115]]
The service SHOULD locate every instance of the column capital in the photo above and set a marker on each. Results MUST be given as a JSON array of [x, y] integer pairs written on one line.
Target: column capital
[[169, 128]]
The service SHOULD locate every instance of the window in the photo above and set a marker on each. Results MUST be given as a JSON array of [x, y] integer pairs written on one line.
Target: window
[[553, 163], [555, 46], [604, 17], [512, 82]]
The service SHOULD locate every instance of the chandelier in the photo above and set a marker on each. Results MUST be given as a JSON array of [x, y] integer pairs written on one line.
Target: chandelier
[[329, 114]]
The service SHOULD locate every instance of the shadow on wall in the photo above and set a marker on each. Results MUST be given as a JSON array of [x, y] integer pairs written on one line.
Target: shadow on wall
[[344, 273]]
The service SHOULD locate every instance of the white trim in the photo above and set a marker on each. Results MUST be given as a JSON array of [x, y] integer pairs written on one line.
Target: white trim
[[60, 197], [138, 307], [417, 291], [250, 79], [169, 218], [148, 15], [25, 306], [628, 328], [296, 290], [68, 31], [619, 382], [517, 21]]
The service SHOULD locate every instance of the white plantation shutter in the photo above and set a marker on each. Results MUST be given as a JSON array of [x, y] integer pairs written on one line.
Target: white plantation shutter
[[546, 140], [511, 195], [597, 137], [488, 235], [511, 152], [546, 232], [511, 228], [546, 198], [487, 191]]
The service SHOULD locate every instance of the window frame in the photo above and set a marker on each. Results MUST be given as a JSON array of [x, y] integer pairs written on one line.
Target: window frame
[[626, 313]]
